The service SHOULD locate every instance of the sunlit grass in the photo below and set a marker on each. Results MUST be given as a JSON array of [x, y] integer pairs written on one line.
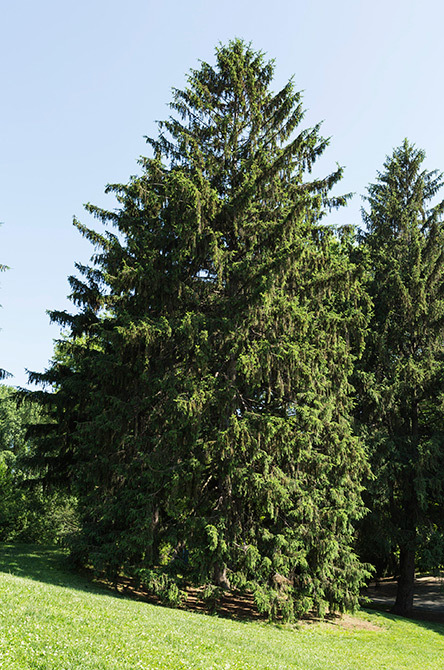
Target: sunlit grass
[[53, 619]]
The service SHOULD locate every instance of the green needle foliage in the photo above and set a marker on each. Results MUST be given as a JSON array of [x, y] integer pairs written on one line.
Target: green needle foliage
[[402, 371], [207, 372], [28, 512]]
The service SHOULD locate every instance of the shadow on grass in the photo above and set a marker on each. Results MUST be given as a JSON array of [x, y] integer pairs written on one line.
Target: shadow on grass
[[50, 565], [424, 619]]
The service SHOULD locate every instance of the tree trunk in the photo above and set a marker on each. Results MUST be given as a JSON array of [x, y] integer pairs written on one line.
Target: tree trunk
[[404, 594], [151, 553], [220, 576]]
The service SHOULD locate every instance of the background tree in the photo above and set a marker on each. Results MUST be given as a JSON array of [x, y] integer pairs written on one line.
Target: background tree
[[208, 368], [28, 511], [402, 373]]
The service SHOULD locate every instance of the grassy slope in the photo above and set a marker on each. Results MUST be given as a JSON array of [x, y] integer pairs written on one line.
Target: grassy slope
[[52, 619]]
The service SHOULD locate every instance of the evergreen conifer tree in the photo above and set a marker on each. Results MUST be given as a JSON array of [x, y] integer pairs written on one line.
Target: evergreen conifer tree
[[208, 368], [402, 373]]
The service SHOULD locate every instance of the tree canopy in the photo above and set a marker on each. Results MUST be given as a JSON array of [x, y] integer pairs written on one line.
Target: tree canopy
[[402, 373], [203, 393]]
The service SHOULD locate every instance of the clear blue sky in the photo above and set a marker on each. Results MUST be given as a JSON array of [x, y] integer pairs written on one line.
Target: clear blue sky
[[83, 82]]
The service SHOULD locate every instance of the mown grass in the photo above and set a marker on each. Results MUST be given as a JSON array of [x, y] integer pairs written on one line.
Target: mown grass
[[51, 618]]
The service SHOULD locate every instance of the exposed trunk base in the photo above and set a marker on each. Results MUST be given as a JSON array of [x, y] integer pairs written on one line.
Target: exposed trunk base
[[220, 576], [406, 581]]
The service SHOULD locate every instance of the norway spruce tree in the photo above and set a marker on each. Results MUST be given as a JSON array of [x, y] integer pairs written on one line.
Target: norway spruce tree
[[207, 371], [402, 372]]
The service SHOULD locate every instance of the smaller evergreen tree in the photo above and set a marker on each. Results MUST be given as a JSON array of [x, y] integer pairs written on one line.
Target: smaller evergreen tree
[[29, 511], [401, 376]]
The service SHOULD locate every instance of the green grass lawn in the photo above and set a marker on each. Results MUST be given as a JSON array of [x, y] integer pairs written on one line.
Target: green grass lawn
[[51, 618]]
